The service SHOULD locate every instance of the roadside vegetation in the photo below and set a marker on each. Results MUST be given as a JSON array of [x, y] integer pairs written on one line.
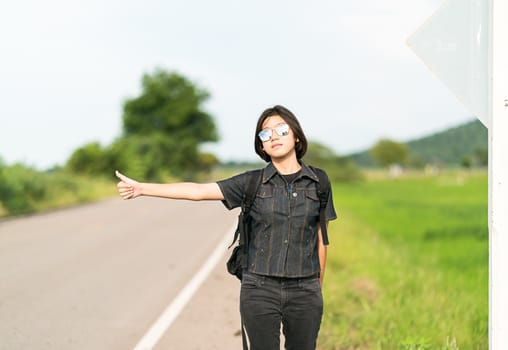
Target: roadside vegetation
[[24, 190], [408, 264]]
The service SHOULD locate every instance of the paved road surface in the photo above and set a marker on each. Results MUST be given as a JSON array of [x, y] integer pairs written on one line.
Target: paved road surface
[[97, 276]]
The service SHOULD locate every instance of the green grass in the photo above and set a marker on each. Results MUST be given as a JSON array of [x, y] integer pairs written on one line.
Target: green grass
[[408, 264], [24, 190], [66, 190]]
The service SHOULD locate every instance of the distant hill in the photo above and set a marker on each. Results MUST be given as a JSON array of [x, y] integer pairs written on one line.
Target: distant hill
[[449, 147]]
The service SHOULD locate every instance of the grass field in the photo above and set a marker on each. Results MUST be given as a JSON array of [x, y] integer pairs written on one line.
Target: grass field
[[24, 190], [408, 264]]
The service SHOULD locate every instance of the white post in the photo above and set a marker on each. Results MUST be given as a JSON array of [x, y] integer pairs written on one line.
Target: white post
[[498, 177]]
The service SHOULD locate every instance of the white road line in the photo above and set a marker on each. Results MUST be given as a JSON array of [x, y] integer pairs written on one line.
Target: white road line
[[173, 310]]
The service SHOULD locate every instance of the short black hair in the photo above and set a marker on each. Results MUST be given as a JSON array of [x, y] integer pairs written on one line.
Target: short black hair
[[291, 120]]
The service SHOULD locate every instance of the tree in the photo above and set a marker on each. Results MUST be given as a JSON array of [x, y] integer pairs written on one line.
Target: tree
[[319, 154], [169, 104], [387, 152], [338, 168], [163, 128], [481, 157], [90, 159], [466, 162]]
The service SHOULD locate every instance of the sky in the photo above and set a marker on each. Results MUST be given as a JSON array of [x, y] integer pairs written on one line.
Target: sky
[[342, 67]]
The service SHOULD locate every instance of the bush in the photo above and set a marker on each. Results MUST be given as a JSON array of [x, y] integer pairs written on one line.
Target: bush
[[91, 159], [20, 188], [24, 190]]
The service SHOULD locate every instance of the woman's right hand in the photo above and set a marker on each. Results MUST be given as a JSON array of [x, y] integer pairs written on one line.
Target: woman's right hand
[[127, 187]]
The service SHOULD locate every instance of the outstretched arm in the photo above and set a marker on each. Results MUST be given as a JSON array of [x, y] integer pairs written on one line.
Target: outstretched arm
[[129, 189]]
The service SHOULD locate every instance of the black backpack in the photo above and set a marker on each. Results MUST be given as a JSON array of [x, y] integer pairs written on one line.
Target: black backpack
[[238, 259]]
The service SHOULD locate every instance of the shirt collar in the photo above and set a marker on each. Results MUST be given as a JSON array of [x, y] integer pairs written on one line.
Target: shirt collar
[[270, 171]]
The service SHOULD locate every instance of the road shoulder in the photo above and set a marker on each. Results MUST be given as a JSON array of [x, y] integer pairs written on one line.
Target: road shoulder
[[211, 320]]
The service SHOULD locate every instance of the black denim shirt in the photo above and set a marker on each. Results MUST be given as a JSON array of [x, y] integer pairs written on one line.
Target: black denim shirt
[[283, 238]]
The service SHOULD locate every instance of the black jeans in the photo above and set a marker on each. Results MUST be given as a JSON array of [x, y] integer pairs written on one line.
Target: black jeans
[[265, 302]]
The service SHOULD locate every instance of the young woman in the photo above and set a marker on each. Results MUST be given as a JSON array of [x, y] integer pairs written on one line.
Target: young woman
[[286, 254]]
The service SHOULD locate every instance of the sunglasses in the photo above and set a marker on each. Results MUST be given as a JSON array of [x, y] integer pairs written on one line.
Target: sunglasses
[[266, 134]]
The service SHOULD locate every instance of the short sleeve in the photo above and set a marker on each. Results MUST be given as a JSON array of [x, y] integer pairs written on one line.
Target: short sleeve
[[330, 213], [233, 190]]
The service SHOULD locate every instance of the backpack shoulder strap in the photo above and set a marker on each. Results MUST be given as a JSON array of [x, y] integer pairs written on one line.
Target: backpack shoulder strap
[[323, 193], [252, 187], [254, 178]]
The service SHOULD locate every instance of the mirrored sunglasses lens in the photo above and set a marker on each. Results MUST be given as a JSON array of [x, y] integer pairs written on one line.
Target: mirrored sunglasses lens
[[265, 135], [282, 130]]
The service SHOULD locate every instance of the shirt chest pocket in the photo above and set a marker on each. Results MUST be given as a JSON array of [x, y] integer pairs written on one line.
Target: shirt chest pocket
[[306, 204], [265, 200]]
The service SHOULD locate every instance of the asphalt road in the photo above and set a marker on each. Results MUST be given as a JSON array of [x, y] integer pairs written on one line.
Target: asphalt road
[[97, 276]]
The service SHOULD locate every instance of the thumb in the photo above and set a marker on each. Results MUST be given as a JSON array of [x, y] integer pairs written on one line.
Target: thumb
[[121, 176]]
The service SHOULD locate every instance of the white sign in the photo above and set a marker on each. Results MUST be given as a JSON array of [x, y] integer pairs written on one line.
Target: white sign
[[453, 43]]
